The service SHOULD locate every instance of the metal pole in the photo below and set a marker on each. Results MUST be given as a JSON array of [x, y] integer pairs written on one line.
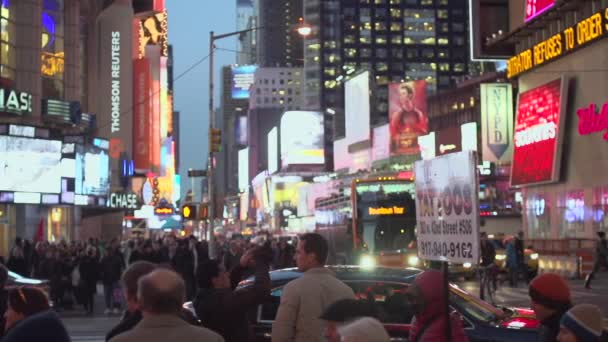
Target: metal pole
[[446, 283], [211, 125]]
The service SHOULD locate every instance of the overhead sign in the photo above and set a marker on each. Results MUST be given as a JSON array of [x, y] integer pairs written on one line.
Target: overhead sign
[[582, 33], [386, 211], [591, 121], [123, 200], [497, 122], [538, 134], [16, 102], [447, 208]]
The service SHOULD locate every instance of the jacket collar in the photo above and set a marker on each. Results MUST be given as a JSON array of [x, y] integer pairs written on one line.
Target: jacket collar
[[159, 321]]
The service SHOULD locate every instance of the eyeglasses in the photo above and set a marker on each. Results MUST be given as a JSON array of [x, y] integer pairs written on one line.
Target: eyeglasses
[[21, 294]]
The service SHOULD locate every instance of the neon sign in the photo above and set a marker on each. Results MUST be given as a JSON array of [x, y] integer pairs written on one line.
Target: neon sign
[[590, 122], [536, 155], [12, 101], [582, 33], [386, 211], [115, 90]]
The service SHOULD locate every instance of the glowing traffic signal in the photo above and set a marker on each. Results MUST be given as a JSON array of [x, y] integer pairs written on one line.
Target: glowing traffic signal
[[215, 139], [189, 212]]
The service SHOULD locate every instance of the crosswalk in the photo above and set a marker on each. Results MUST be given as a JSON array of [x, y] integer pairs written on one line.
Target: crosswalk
[[88, 338]]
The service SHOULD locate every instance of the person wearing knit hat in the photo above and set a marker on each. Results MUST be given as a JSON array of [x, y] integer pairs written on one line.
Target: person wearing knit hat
[[550, 295], [364, 329], [582, 323]]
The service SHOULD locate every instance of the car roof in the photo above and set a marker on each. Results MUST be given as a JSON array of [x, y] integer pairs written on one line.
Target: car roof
[[346, 273]]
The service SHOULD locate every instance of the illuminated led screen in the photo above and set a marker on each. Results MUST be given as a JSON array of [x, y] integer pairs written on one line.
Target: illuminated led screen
[[536, 7], [242, 78], [536, 155], [302, 138]]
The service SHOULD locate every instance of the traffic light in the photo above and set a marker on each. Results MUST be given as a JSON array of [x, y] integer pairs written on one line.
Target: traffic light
[[189, 212], [215, 139], [204, 211]]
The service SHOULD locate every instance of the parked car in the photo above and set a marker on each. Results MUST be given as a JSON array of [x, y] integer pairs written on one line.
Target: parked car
[[482, 321], [16, 280]]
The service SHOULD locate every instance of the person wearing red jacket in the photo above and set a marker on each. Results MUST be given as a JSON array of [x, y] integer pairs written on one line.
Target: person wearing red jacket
[[427, 300]]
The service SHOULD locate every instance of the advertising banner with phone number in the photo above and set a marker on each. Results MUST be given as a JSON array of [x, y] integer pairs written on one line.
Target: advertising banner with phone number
[[447, 208]]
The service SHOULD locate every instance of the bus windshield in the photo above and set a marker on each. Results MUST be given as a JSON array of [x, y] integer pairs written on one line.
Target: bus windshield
[[386, 215]]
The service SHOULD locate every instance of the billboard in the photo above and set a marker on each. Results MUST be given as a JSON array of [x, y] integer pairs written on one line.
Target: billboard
[[243, 76], [302, 138], [537, 7], [341, 156], [244, 169], [30, 165], [497, 122], [538, 134], [381, 146], [407, 116], [241, 130], [141, 114], [92, 171], [273, 150], [357, 108], [447, 208]]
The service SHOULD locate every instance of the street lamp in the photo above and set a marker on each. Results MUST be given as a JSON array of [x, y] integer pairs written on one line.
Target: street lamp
[[302, 29]]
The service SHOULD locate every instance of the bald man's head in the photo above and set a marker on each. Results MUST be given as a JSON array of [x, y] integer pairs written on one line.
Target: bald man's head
[[161, 292]]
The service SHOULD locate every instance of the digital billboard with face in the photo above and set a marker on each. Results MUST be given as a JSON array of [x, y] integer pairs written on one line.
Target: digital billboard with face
[[408, 116], [357, 108], [92, 171], [30, 165], [538, 132], [302, 138], [243, 76]]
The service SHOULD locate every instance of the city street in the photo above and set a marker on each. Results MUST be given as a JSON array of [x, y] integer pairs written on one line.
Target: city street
[[89, 329]]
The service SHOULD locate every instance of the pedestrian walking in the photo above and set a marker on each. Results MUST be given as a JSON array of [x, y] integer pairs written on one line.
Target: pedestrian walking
[[582, 323], [161, 295], [111, 269], [223, 310], [427, 302], [512, 262], [306, 298], [550, 295], [24, 302], [601, 257], [364, 329], [89, 275], [133, 314], [42, 327]]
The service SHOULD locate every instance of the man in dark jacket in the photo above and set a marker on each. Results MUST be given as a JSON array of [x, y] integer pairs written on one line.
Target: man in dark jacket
[[601, 257], [133, 313], [111, 269], [89, 275], [224, 310], [550, 296]]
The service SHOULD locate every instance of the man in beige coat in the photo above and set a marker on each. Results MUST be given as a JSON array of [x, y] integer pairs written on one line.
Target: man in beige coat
[[161, 295], [306, 298]]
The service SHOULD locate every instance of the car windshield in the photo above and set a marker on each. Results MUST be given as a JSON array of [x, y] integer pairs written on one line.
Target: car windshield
[[465, 303]]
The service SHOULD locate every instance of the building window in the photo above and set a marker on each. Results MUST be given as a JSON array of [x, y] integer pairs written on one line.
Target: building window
[[366, 53], [458, 27], [381, 40], [395, 27], [571, 213], [396, 13], [53, 53], [600, 209], [443, 41], [7, 42], [381, 67], [537, 211], [381, 53], [442, 14], [396, 40], [459, 67], [380, 26]]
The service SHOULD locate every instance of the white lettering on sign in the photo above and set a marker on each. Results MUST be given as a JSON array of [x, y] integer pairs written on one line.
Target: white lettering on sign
[[123, 200], [15, 102], [115, 82], [536, 133]]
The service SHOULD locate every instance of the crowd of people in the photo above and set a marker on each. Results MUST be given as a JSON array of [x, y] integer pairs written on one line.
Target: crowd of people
[[154, 278]]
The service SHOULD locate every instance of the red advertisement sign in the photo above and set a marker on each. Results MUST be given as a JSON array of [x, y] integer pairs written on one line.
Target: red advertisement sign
[[536, 155], [536, 7], [590, 120], [407, 116], [141, 113]]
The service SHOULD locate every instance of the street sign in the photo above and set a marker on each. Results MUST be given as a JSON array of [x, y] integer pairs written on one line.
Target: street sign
[[447, 208]]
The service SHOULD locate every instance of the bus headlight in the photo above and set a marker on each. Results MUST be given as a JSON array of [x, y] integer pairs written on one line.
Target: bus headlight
[[534, 256], [500, 257], [413, 260], [467, 265], [367, 262]]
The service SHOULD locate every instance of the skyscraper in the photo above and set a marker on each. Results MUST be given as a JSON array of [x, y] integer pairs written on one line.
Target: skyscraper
[[246, 18], [397, 40], [279, 43]]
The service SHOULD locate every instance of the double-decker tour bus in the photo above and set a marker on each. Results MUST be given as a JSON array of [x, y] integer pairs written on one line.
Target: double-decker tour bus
[[371, 221]]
